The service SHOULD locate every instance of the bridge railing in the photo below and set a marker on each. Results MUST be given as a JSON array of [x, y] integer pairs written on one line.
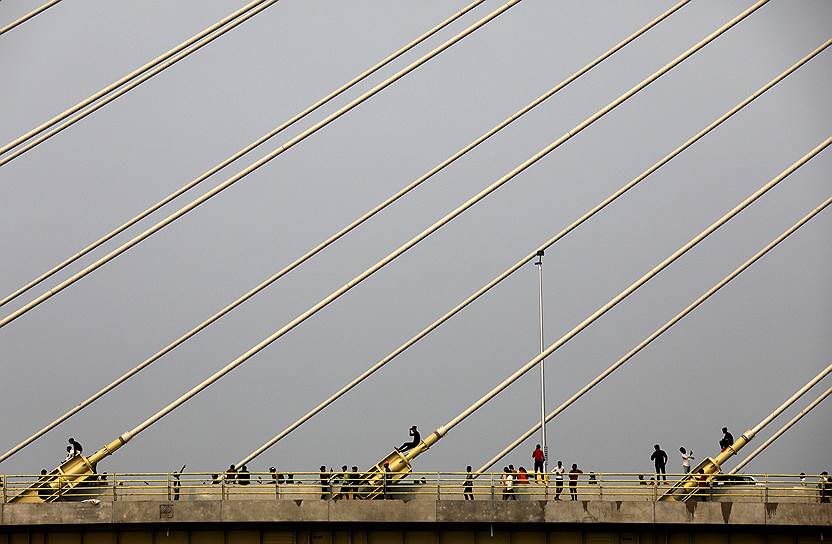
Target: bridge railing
[[422, 485]]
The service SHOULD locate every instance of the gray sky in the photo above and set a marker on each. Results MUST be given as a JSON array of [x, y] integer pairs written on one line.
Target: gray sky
[[730, 363]]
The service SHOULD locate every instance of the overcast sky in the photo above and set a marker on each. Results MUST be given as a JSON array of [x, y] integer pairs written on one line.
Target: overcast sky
[[729, 363]]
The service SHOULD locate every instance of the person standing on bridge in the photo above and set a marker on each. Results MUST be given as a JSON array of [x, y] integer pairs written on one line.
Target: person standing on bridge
[[727, 439], [388, 479], [468, 485], [573, 481], [354, 478], [413, 443], [344, 477], [686, 459], [659, 458], [558, 472], [538, 457], [325, 487], [509, 483]]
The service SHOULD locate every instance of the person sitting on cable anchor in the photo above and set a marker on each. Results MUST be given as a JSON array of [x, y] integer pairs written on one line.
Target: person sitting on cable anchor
[[413, 443]]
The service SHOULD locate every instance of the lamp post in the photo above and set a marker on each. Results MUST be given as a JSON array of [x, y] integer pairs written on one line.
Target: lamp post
[[539, 265]]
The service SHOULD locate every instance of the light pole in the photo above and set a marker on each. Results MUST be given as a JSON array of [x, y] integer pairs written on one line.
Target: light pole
[[539, 264]]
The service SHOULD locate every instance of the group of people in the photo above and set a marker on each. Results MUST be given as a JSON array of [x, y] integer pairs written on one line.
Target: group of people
[[74, 448], [512, 480], [659, 456]]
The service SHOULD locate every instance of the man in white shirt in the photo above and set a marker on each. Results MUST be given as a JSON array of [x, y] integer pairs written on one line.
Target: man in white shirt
[[558, 472], [510, 487], [686, 459]]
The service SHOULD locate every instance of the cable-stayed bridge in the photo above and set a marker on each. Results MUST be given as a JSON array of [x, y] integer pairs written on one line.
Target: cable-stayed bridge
[[395, 473]]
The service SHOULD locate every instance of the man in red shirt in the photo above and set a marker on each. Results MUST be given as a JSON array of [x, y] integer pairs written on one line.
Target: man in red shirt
[[538, 457], [573, 481]]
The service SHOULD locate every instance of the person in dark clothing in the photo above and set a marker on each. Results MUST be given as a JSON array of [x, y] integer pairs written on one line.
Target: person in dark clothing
[[468, 485], [413, 443], [659, 458], [387, 480], [573, 481], [727, 439], [345, 481], [538, 457], [177, 485], [230, 474], [325, 476], [76, 447], [354, 477], [243, 477], [44, 490], [273, 472], [824, 487]]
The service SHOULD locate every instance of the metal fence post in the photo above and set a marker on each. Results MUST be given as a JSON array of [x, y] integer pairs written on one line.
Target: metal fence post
[[766, 490]]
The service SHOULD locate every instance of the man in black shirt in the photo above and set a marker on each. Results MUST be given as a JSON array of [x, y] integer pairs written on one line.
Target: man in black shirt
[[413, 443], [468, 486], [727, 439], [325, 486], [659, 458], [76, 447]]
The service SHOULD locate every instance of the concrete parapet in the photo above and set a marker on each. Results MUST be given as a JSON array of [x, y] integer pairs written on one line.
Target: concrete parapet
[[419, 511]]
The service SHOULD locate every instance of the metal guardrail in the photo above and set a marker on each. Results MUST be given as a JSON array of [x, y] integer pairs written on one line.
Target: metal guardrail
[[421, 485]]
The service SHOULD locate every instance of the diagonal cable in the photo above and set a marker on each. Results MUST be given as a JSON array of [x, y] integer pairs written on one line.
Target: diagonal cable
[[750, 457], [523, 261], [249, 10], [657, 333], [35, 12], [245, 150], [320, 247], [254, 166], [179, 56]]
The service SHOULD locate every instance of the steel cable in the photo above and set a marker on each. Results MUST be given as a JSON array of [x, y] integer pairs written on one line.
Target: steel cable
[[519, 264], [309, 254], [183, 54], [505, 179], [254, 166], [259, 5], [245, 150], [38, 10], [750, 457], [657, 333]]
